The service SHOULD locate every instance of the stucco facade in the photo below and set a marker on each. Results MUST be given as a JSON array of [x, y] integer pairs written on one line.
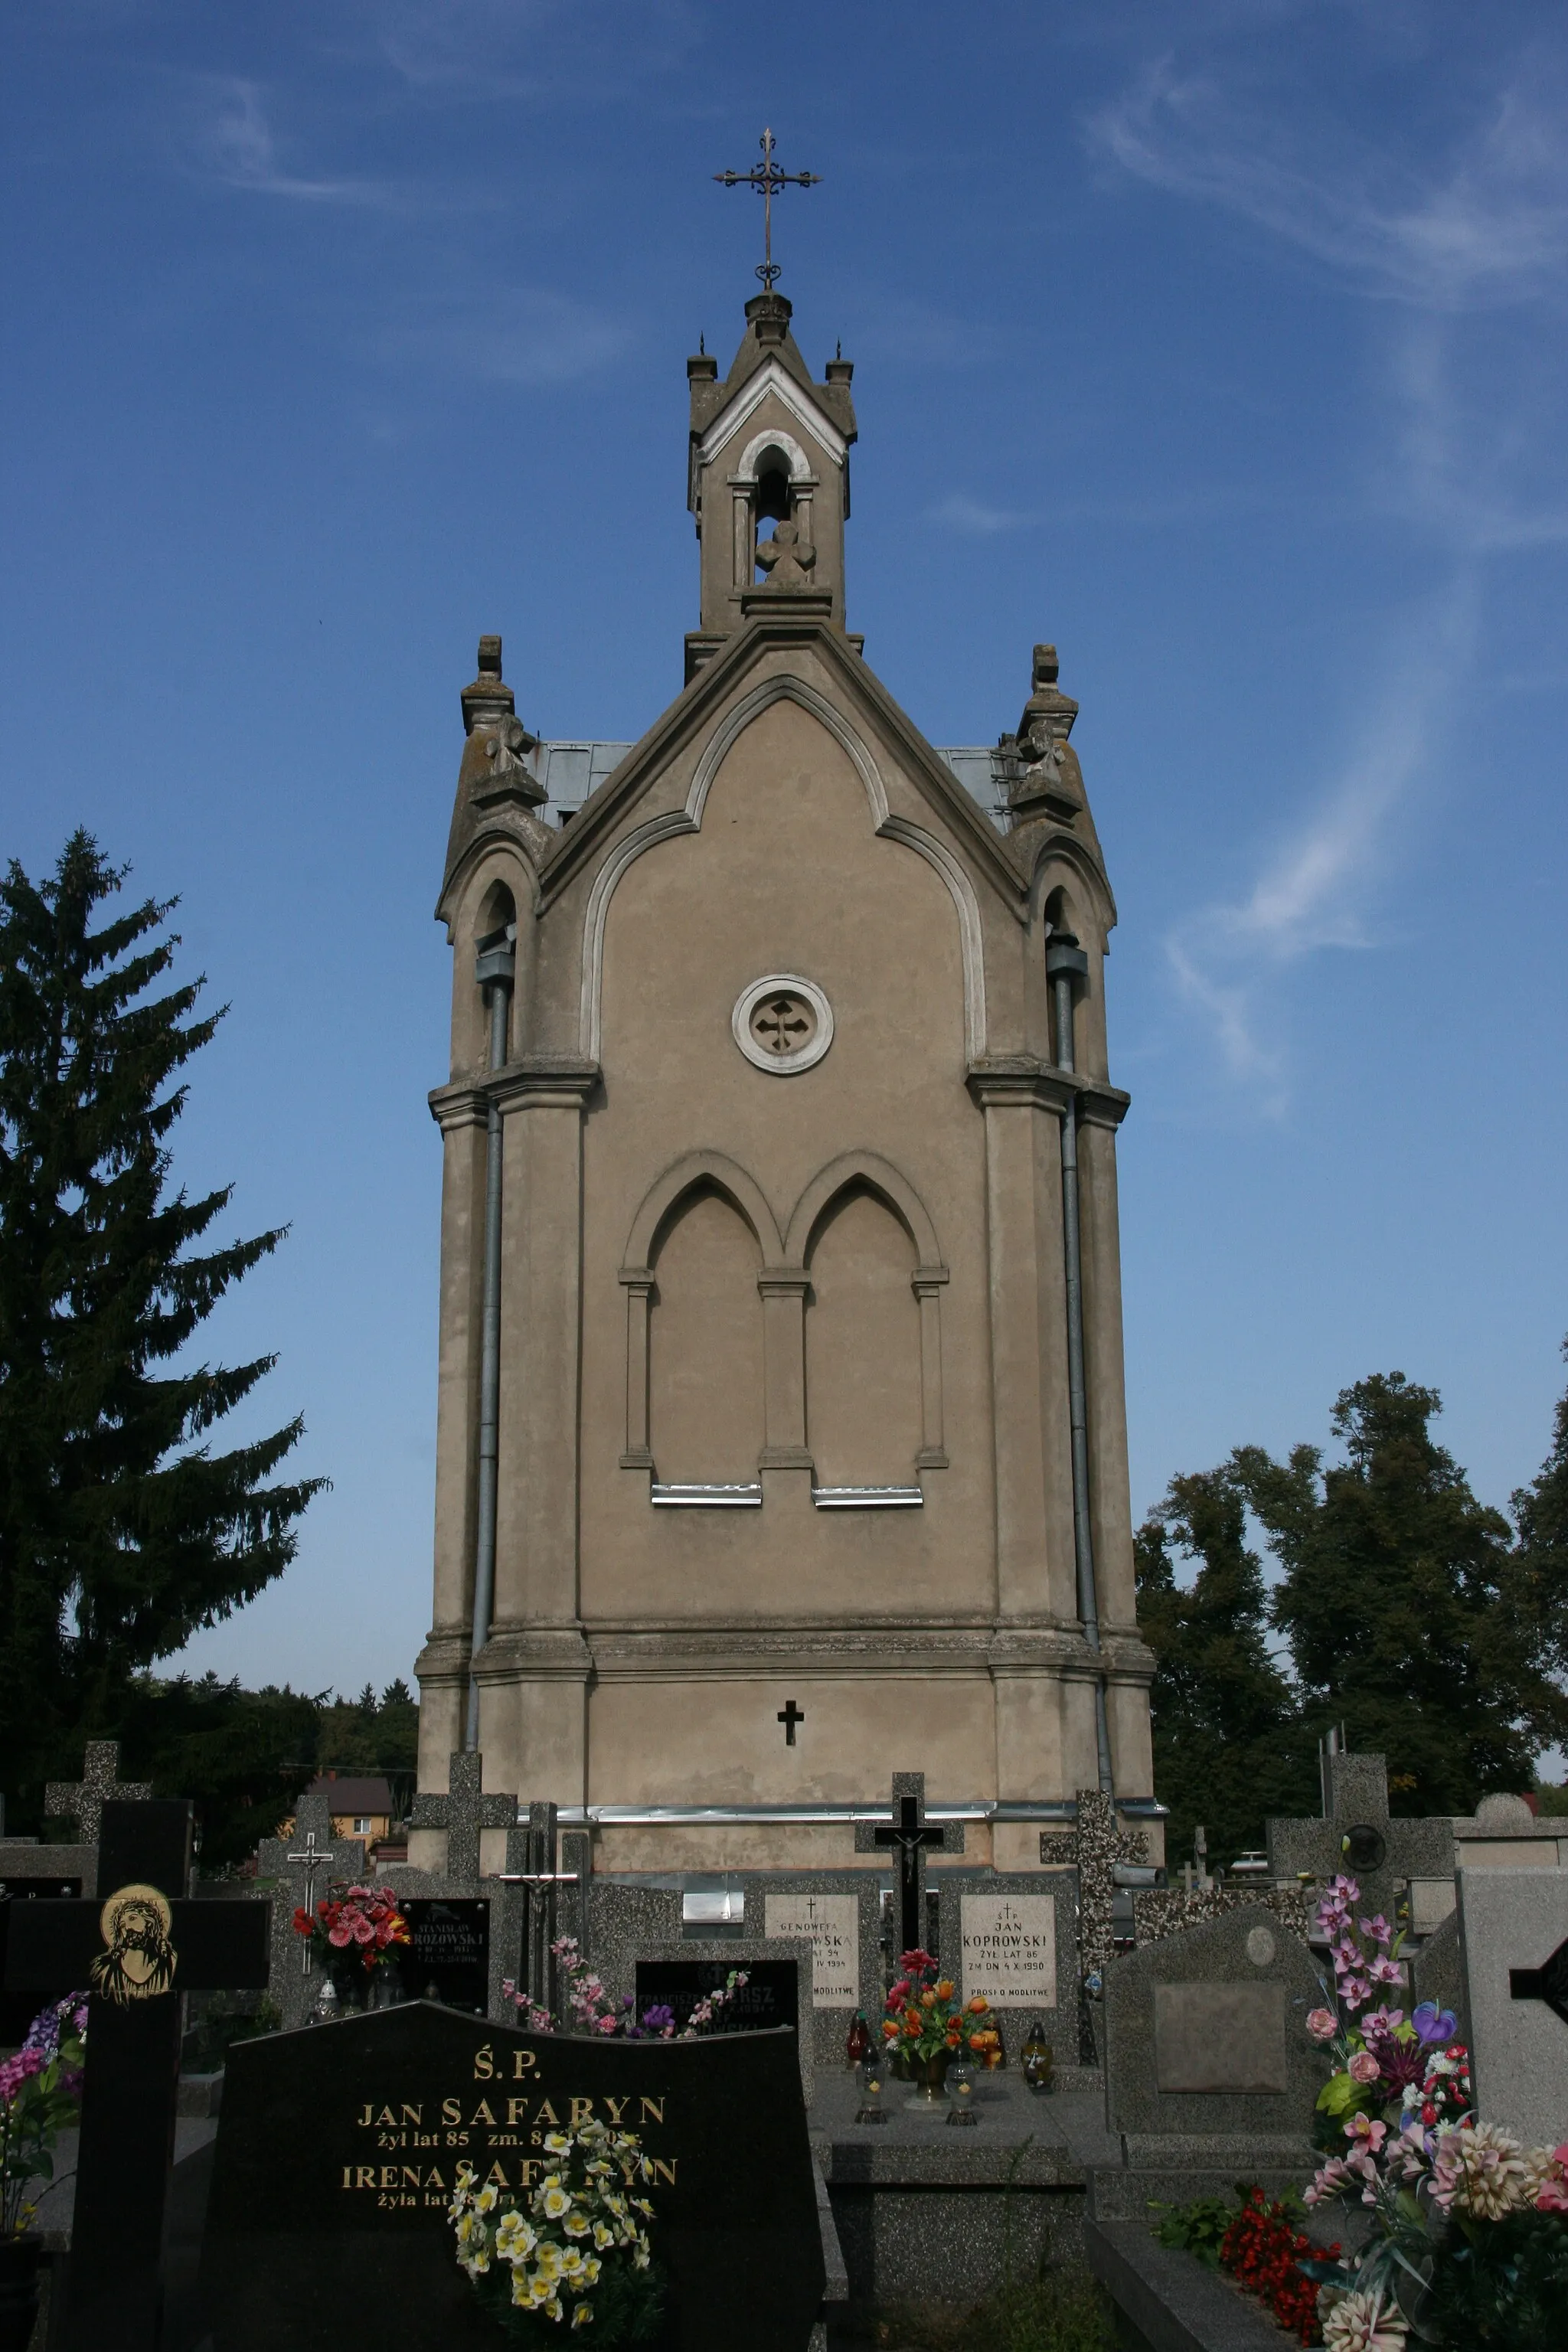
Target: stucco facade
[[782, 1421]]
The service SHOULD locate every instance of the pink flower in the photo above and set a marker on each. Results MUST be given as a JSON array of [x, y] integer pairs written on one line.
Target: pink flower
[[1345, 1891], [1366, 2133], [1354, 1991], [1383, 2021], [1332, 2179], [363, 1933], [1552, 2197], [1377, 1929], [1323, 2024], [1363, 2067], [341, 1935], [1382, 1970]]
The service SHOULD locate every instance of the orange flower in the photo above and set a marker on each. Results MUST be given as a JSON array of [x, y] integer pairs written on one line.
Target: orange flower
[[977, 2040], [890, 2027], [978, 2006], [954, 2033], [944, 1989], [914, 2021], [911, 2031]]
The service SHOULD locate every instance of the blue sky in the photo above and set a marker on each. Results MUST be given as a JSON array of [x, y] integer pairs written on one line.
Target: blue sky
[[1222, 344]]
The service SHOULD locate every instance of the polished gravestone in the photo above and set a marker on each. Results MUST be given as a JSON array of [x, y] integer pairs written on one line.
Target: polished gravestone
[[138, 1944], [448, 1956], [338, 2145], [769, 1996]]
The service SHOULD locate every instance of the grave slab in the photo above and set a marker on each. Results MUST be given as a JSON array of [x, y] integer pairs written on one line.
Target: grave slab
[[314, 2194], [1513, 1925]]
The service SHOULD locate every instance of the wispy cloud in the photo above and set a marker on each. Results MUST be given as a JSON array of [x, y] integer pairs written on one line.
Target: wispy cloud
[[959, 511], [235, 144], [1319, 885], [1490, 225], [525, 335]]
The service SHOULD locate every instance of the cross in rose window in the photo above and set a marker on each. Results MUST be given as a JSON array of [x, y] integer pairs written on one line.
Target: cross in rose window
[[780, 1025]]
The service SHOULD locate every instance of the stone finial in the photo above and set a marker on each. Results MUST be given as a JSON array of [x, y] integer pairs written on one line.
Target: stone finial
[[1050, 782], [786, 558], [498, 743]]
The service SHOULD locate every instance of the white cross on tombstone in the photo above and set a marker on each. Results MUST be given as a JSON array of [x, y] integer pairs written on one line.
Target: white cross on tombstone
[[296, 1864]]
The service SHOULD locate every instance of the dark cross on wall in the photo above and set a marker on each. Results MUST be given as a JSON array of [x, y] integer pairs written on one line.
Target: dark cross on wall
[[789, 1715], [138, 1944]]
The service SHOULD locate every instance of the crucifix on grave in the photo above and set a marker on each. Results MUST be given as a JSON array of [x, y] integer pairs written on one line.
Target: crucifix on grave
[[1355, 1836], [530, 1863], [910, 1837], [463, 1810], [83, 1800], [137, 1945], [304, 1866]]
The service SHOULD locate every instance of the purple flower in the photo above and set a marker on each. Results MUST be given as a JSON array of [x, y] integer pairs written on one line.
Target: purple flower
[[658, 2017], [1433, 2024], [1378, 1929]]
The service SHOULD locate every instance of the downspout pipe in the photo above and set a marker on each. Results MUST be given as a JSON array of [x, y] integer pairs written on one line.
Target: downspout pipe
[[1064, 964], [495, 970]]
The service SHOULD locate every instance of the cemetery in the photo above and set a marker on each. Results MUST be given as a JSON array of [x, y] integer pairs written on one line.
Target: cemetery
[[789, 1945]]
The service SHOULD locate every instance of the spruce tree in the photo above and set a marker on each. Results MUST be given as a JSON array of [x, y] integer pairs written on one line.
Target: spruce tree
[[1229, 1748], [1541, 1516], [1407, 1610], [121, 1531]]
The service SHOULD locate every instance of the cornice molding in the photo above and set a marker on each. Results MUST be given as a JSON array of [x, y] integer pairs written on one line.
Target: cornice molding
[[538, 1082]]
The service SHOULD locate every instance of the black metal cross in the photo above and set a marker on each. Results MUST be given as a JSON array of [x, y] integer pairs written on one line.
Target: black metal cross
[[789, 1715], [766, 177], [140, 1943], [910, 1835]]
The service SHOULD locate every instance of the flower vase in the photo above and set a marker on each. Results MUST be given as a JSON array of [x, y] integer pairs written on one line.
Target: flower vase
[[928, 2076], [20, 2260]]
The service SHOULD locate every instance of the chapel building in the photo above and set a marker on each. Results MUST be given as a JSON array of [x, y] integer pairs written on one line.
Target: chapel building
[[781, 1434]]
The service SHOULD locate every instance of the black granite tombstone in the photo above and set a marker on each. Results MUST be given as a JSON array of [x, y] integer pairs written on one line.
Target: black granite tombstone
[[18, 2009], [447, 1956], [338, 2148], [139, 1945], [769, 1996]]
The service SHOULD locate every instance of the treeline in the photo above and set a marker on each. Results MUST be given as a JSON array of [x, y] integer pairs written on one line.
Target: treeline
[[243, 1756], [1428, 1624]]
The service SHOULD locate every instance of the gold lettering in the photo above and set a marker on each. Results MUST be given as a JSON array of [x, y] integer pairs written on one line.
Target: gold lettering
[[481, 2114], [364, 2176], [413, 2114], [528, 2168], [498, 2174], [664, 2168], [388, 2176], [652, 2110], [386, 2116], [523, 2062], [365, 2119], [347, 2170], [580, 2111], [517, 2111], [451, 2113], [547, 2114], [434, 2180], [484, 2062], [410, 2176], [617, 2108]]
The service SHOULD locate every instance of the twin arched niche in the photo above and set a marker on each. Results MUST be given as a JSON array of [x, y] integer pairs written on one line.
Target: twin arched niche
[[817, 1349]]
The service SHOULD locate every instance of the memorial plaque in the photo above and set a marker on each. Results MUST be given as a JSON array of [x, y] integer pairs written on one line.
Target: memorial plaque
[[1220, 2038], [338, 2148], [1010, 1949], [770, 1997], [831, 1924], [448, 1949]]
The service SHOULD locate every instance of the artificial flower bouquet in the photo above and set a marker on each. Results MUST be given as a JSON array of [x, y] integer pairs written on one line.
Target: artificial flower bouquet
[[1469, 2239], [40, 2090], [575, 2255], [926, 2020], [361, 1926], [595, 2012]]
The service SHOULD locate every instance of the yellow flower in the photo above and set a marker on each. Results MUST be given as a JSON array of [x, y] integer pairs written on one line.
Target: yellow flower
[[549, 2259], [576, 2223], [488, 2198], [583, 2316], [558, 2143], [556, 2200], [603, 2234], [571, 2265], [592, 2266], [515, 2238], [552, 2309]]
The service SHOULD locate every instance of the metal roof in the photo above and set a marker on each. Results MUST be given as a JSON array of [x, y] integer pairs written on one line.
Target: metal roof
[[570, 772]]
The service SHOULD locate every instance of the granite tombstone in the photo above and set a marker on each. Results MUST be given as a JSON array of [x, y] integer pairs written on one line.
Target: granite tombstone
[[338, 2148], [1513, 1937]]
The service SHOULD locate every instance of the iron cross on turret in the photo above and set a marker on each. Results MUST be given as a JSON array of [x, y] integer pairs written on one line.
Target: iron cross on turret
[[766, 177]]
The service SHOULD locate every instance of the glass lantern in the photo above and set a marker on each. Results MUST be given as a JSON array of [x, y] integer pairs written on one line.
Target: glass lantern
[[961, 2091], [871, 2077]]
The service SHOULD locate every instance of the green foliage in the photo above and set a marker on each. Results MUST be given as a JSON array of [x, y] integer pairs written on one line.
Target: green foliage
[[1198, 2228], [1502, 2284], [1541, 1516], [1552, 1798], [1409, 1614], [1228, 1749], [121, 1530]]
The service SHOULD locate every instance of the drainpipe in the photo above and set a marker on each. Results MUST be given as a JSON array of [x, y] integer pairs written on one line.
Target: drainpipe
[[1064, 962], [494, 967]]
